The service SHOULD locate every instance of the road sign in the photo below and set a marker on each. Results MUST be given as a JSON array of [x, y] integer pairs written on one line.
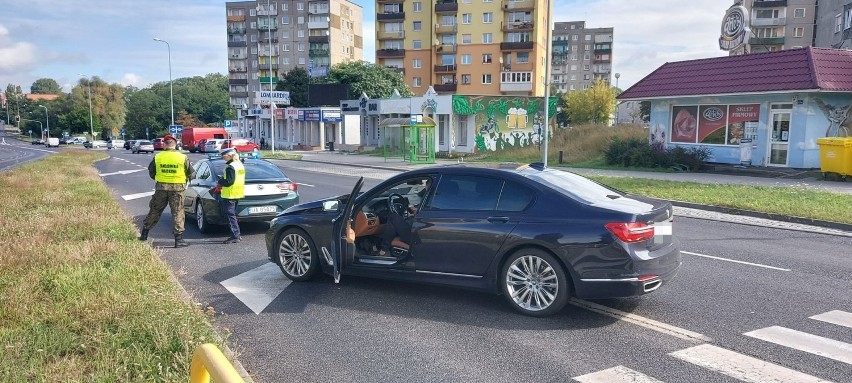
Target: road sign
[[114, 131], [227, 123], [175, 129]]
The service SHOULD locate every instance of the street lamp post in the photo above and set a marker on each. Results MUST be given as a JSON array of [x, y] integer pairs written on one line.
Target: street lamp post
[[91, 121], [617, 76], [544, 136], [171, 90], [271, 87], [47, 120]]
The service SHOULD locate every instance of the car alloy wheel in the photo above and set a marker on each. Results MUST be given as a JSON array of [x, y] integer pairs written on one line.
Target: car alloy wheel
[[297, 255], [535, 283], [201, 218]]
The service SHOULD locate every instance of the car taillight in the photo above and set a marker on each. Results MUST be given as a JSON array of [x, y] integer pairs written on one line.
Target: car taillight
[[631, 231], [216, 190], [287, 186]]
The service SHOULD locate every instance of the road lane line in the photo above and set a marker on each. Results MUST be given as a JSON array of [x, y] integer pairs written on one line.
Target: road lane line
[[120, 172], [137, 195], [308, 185], [258, 287], [735, 261], [741, 367], [841, 318], [802, 341], [660, 327], [617, 374]]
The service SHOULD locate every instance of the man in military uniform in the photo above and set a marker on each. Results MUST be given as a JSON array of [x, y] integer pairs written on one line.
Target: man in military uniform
[[171, 169], [233, 189]]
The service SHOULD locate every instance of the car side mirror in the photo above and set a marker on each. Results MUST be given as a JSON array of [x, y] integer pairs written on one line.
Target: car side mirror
[[331, 205]]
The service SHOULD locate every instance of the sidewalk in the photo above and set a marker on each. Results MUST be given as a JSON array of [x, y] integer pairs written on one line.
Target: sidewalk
[[704, 178]]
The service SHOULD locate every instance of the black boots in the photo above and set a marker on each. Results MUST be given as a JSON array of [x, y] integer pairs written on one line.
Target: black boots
[[144, 235], [179, 242], [232, 240]]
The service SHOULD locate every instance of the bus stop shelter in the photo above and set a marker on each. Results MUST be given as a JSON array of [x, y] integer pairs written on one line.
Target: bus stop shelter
[[413, 142]]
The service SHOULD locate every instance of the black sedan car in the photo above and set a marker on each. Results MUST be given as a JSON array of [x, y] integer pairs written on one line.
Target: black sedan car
[[268, 192], [535, 235]]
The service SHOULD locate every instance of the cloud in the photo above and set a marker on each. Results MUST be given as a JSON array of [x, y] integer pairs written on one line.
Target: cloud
[[15, 56], [369, 41], [130, 79]]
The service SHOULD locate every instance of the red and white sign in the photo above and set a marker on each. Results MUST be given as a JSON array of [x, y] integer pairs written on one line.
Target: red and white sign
[[292, 113]]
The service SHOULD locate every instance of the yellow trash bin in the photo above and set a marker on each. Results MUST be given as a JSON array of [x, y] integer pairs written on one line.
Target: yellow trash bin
[[835, 155]]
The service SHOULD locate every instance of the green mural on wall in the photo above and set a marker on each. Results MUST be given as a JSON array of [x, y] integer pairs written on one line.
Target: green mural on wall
[[504, 122]]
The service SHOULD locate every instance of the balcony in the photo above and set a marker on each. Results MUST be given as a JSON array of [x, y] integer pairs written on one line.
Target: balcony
[[261, 11], [390, 53], [396, 69], [603, 50], [318, 10], [266, 80], [766, 41], [265, 66], [239, 94], [237, 18], [769, 4], [756, 22], [445, 87], [267, 52], [237, 69], [266, 40], [238, 56], [318, 39], [446, 28], [517, 46], [396, 16], [602, 39], [318, 24], [597, 70], [445, 68], [238, 81], [237, 43], [236, 31], [318, 52], [518, 26], [443, 6], [515, 87], [267, 27], [390, 35], [599, 59], [514, 5], [446, 48]]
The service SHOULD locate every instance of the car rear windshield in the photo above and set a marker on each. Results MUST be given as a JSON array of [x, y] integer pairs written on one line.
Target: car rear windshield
[[144, 142], [575, 186], [256, 171]]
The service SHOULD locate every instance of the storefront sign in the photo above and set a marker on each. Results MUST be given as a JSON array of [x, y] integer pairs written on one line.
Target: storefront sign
[[291, 113], [278, 97], [714, 124], [331, 116], [279, 114], [735, 28], [311, 115]]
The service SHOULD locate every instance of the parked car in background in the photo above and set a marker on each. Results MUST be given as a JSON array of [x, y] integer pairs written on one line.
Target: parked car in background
[[37, 141], [76, 140], [158, 143], [52, 141], [268, 192], [537, 236], [115, 144], [129, 144], [191, 137], [242, 145], [200, 145], [64, 140], [96, 144], [143, 146], [213, 145]]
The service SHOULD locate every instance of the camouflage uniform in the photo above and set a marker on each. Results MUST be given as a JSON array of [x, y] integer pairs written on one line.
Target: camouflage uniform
[[167, 194]]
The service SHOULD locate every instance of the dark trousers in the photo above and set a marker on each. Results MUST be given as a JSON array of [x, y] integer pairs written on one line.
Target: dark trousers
[[229, 207], [396, 227]]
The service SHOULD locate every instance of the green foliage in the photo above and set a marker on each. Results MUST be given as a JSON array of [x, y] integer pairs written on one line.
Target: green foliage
[[364, 77], [45, 86], [594, 105], [296, 82], [637, 152]]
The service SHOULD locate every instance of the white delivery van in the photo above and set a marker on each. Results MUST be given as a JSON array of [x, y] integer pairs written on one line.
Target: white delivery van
[[52, 141]]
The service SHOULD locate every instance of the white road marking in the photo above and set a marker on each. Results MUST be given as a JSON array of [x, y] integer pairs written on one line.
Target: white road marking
[[120, 172], [660, 327], [742, 367], [137, 195], [617, 374], [308, 185], [841, 318], [257, 288], [802, 341], [734, 261]]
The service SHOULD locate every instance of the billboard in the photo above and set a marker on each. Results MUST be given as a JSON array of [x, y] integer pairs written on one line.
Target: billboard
[[714, 124], [328, 94], [278, 97], [503, 122]]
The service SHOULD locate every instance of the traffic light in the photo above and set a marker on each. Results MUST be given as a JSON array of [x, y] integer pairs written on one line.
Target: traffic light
[[17, 118]]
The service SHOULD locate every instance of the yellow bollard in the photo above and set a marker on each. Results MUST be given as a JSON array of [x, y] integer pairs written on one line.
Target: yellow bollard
[[208, 362]]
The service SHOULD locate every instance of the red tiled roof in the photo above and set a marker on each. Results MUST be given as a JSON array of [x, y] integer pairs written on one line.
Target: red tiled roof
[[789, 70]]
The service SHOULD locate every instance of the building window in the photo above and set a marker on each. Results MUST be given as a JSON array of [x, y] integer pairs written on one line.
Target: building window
[[766, 14], [465, 79], [285, 20], [588, 47], [417, 63], [487, 38], [573, 77], [573, 67], [838, 23], [284, 6], [301, 61], [286, 34], [486, 79], [486, 58], [301, 47], [574, 57], [418, 6], [466, 18], [523, 57], [466, 39], [252, 12], [417, 44], [848, 23], [487, 17], [585, 86], [575, 37], [416, 82], [286, 47], [587, 57], [461, 130], [586, 67], [465, 59], [798, 32], [300, 6], [418, 25], [300, 20], [300, 33], [254, 50], [799, 12], [588, 37], [253, 38]]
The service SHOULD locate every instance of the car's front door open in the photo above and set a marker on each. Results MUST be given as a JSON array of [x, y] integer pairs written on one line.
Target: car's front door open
[[341, 231]]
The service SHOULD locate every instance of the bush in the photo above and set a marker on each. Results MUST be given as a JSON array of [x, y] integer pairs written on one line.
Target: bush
[[633, 152]]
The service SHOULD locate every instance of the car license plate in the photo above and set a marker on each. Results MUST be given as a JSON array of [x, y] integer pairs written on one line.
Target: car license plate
[[261, 209], [662, 232]]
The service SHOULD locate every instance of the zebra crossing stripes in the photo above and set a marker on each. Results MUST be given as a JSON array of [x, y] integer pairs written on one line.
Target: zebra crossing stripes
[[840, 318], [617, 374], [741, 367], [802, 341]]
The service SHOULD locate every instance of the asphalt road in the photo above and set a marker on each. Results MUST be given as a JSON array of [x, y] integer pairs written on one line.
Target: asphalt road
[[13, 153], [751, 303]]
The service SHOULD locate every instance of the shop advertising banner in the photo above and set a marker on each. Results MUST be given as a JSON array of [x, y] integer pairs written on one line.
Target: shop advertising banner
[[742, 123], [714, 124], [684, 124], [712, 120]]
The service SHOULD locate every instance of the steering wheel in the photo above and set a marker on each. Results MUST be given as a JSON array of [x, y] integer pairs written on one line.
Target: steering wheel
[[397, 204]]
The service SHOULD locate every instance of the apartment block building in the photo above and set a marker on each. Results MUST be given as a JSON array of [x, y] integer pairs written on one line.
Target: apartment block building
[[580, 55], [834, 24], [778, 24], [268, 38], [487, 47]]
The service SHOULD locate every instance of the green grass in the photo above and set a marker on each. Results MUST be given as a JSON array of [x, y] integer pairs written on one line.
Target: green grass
[[787, 201], [82, 300], [279, 155]]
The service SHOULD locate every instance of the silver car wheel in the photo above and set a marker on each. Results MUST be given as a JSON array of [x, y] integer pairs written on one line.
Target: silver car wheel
[[532, 283], [294, 255]]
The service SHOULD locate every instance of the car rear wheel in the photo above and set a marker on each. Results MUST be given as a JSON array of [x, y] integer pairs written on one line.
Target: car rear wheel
[[534, 283], [201, 218], [297, 255]]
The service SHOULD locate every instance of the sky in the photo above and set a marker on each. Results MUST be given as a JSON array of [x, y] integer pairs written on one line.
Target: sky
[[61, 39]]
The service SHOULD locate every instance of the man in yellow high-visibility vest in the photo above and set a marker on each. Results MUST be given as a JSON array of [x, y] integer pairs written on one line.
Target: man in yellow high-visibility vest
[[233, 189], [171, 169]]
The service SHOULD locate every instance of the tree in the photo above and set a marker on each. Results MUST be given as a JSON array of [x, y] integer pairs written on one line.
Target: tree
[[143, 109], [107, 102], [296, 82], [45, 86], [594, 105], [374, 80]]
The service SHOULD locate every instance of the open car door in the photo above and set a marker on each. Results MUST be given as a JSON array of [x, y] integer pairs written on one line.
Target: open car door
[[343, 236]]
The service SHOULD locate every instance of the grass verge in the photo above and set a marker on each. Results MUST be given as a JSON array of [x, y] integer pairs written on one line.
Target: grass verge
[[278, 155], [81, 299], [788, 201]]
